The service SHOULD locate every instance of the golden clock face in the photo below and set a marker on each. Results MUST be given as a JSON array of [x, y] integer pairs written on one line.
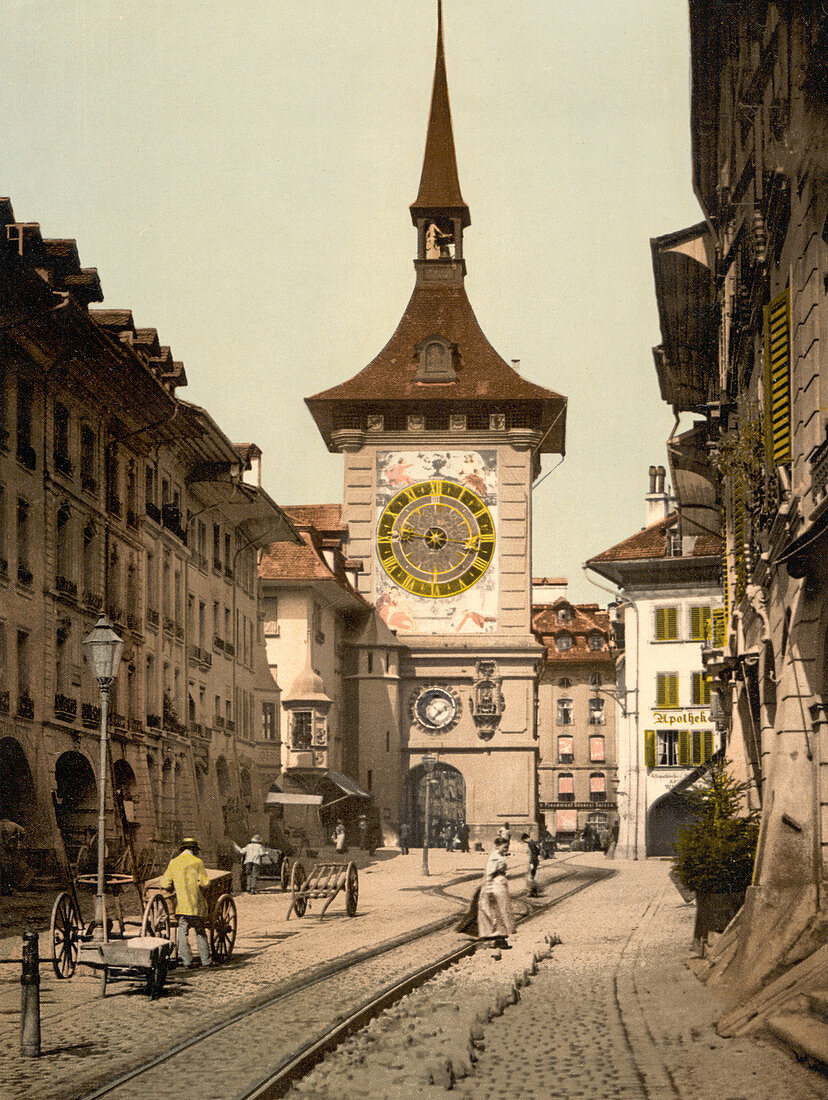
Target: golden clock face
[[435, 538]]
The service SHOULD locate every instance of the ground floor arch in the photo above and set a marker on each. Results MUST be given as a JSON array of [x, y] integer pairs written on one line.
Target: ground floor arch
[[76, 801], [665, 820], [447, 802], [17, 789]]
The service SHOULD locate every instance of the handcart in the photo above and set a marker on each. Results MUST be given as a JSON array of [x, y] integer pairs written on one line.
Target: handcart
[[276, 865], [222, 920], [325, 880], [113, 953]]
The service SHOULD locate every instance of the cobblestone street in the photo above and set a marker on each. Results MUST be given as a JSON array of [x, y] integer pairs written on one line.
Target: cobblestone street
[[610, 1012]]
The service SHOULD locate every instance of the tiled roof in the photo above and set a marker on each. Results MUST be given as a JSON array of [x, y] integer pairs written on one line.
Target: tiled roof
[[284, 561], [324, 517], [481, 372], [651, 544], [587, 619]]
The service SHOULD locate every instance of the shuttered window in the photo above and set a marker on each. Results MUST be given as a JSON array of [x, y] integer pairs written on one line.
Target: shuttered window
[[667, 690], [666, 624], [702, 746], [566, 749], [719, 628], [777, 315], [700, 624], [701, 689], [739, 541], [596, 748], [649, 748], [684, 748]]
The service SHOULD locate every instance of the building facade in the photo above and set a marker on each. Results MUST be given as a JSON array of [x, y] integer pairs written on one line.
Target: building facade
[[577, 762], [116, 496], [669, 592], [751, 306], [442, 440]]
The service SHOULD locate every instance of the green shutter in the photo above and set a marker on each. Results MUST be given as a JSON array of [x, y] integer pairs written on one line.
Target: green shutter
[[707, 745], [777, 316], [700, 624], [649, 749], [666, 624], [672, 691], [701, 689], [684, 747]]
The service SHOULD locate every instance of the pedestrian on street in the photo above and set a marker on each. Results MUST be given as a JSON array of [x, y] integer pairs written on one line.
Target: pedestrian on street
[[495, 919], [548, 845], [405, 836], [339, 837], [253, 854], [186, 874], [463, 833], [532, 860], [505, 833], [363, 831], [448, 836]]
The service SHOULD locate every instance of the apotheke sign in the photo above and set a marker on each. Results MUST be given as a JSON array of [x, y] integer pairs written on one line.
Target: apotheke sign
[[681, 718]]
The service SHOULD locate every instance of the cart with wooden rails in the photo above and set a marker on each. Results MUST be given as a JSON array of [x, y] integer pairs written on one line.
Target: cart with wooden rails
[[221, 921], [325, 880]]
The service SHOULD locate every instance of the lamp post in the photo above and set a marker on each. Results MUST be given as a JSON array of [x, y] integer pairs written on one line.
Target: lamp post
[[103, 649], [429, 760]]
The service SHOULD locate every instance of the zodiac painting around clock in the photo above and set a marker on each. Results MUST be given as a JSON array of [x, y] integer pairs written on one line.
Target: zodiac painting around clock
[[435, 541]]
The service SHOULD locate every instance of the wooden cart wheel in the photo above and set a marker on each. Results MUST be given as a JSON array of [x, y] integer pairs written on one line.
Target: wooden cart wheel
[[351, 890], [284, 874], [297, 881], [156, 920], [223, 928], [157, 976], [64, 927]]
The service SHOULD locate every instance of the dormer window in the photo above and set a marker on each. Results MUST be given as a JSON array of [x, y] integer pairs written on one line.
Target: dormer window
[[564, 614], [564, 642], [435, 360]]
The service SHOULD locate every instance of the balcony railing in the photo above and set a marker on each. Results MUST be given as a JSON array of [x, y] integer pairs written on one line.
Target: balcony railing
[[93, 599], [171, 518], [230, 725], [117, 721], [153, 617], [202, 562], [136, 725], [66, 708], [117, 614], [229, 649], [4, 702], [217, 565], [89, 484], [25, 706], [4, 568], [169, 624], [4, 439], [154, 721], [90, 715], [132, 518], [113, 505], [228, 572], [66, 587], [179, 633], [26, 455], [133, 621], [218, 722], [153, 511], [218, 643]]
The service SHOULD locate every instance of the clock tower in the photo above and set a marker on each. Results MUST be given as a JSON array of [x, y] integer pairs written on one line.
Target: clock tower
[[442, 440]]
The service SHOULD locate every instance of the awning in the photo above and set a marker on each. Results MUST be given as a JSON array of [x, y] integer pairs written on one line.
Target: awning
[[802, 556], [347, 785], [291, 798], [694, 481]]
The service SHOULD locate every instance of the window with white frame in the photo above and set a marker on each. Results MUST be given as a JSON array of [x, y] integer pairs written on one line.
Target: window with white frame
[[565, 712]]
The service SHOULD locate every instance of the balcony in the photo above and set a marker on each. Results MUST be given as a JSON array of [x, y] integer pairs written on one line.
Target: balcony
[[153, 617], [229, 649], [5, 702], [90, 715], [202, 562], [179, 633], [206, 659], [89, 484], [154, 721], [218, 722], [25, 706], [132, 519], [4, 439], [66, 587], [195, 654], [217, 565], [134, 622], [218, 643], [93, 600], [63, 464], [4, 569], [113, 505], [118, 721], [171, 519], [136, 725], [24, 576], [230, 725], [228, 572], [66, 708], [26, 455], [117, 615], [153, 511], [169, 624]]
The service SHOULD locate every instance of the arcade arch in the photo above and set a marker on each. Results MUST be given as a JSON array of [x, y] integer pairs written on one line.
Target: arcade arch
[[447, 801]]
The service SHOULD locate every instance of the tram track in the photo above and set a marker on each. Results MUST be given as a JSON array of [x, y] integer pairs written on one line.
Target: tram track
[[288, 1030]]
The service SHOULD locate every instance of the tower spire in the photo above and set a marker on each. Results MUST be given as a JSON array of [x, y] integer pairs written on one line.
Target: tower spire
[[439, 195]]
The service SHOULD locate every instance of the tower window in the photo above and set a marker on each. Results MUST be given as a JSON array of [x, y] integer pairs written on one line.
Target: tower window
[[435, 360]]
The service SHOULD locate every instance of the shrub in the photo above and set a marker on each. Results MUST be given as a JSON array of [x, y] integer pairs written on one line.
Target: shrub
[[715, 853]]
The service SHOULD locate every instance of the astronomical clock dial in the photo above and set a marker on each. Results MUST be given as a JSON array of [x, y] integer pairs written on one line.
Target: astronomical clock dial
[[435, 538], [435, 709]]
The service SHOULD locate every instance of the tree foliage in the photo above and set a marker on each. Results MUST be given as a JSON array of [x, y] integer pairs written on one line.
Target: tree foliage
[[716, 852]]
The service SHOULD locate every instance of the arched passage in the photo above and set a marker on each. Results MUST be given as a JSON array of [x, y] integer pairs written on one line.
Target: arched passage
[[665, 820], [447, 802], [77, 796], [17, 790]]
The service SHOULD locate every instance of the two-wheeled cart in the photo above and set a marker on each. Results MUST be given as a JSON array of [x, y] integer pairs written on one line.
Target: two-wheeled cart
[[160, 920], [325, 880]]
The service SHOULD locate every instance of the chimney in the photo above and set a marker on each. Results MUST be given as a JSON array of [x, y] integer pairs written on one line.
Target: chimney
[[658, 500], [516, 365]]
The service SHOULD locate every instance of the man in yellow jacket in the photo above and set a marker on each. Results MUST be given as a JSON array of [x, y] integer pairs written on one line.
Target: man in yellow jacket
[[186, 874]]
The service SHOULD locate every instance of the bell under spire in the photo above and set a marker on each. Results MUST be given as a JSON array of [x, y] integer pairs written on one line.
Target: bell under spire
[[439, 195]]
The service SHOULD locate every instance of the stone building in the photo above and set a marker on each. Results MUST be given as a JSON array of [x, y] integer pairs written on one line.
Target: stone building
[[116, 496], [742, 297], [442, 440], [577, 762], [669, 593]]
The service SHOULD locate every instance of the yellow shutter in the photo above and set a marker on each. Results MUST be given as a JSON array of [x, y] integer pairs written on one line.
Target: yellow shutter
[[739, 540], [701, 689], [684, 747], [700, 624], [707, 745], [719, 628], [649, 749], [666, 624], [666, 690], [777, 315]]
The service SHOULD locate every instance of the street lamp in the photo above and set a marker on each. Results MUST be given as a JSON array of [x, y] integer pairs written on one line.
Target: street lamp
[[103, 649], [429, 760]]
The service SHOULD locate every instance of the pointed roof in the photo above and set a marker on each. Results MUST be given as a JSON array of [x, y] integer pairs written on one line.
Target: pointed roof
[[439, 183]]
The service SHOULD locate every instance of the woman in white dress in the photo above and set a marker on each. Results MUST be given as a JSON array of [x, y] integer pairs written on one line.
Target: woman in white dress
[[495, 919]]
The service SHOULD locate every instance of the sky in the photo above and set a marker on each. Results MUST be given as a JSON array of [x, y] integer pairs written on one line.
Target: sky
[[240, 175]]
